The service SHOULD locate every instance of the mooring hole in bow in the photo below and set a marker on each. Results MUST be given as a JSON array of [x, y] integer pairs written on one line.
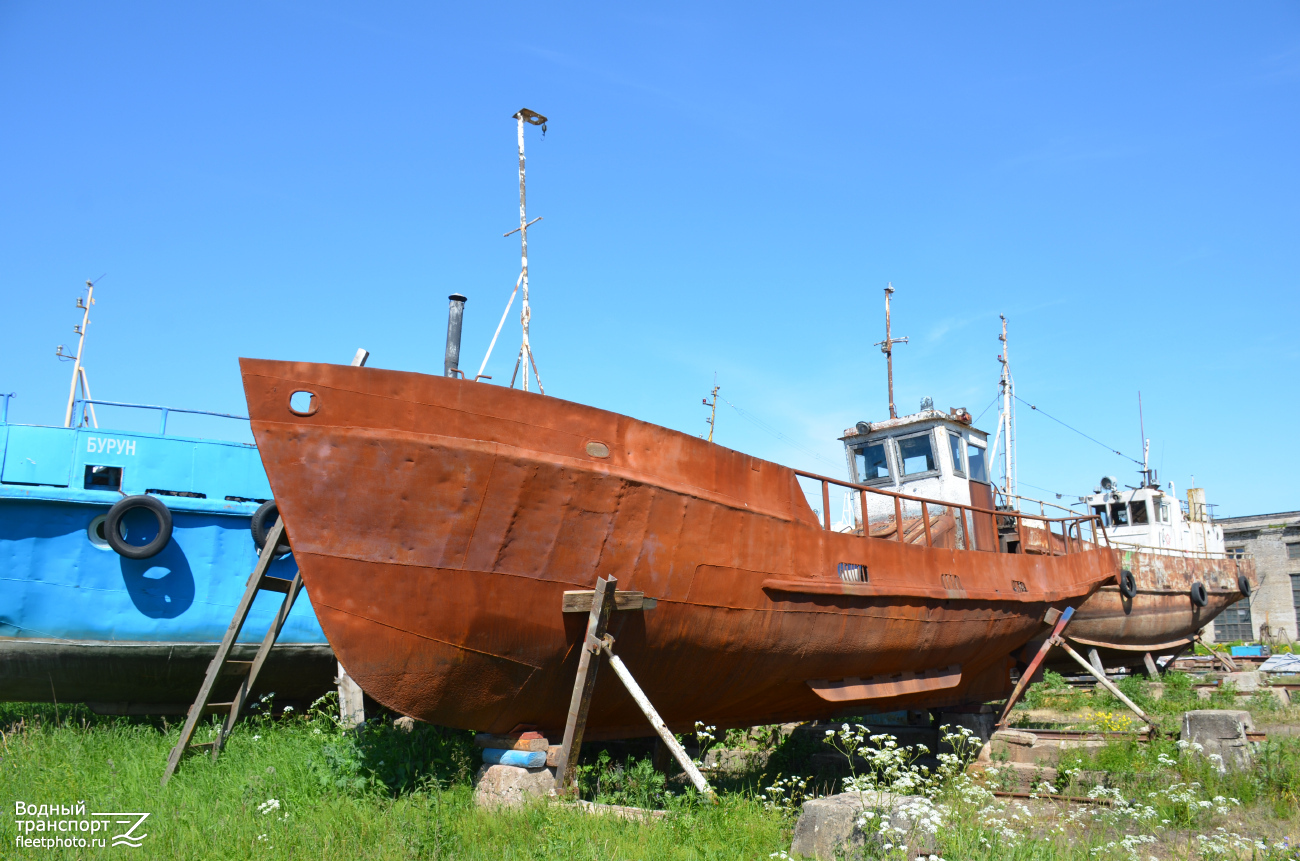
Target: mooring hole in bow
[[302, 403]]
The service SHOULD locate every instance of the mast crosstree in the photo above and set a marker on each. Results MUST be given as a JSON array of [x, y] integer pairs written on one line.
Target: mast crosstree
[[887, 347]]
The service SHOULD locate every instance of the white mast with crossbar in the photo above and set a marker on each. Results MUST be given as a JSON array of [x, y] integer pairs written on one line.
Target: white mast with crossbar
[[79, 370], [525, 312]]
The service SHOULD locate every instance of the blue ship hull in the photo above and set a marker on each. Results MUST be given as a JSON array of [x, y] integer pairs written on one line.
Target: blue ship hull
[[79, 623]]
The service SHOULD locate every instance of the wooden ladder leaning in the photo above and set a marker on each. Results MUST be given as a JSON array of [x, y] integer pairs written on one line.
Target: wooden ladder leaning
[[222, 665], [350, 694]]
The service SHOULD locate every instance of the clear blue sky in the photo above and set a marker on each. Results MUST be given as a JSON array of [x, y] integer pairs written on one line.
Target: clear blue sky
[[726, 188]]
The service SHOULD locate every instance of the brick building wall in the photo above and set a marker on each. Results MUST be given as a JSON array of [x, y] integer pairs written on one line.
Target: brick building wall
[[1273, 540]]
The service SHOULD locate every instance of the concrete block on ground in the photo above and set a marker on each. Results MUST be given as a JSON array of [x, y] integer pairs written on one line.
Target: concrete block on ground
[[829, 826], [1004, 740], [980, 724], [735, 761], [512, 786], [1221, 733], [637, 814], [1014, 776], [1009, 745], [1247, 683], [1086, 780]]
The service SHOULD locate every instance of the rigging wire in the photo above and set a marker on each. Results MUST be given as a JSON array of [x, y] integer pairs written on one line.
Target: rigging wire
[[1076, 430], [776, 433], [1044, 489], [986, 409]]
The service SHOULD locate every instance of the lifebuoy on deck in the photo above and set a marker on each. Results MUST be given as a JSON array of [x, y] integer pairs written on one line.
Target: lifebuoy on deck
[[134, 543]]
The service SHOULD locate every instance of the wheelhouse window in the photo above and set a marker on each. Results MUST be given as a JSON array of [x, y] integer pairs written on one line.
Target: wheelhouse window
[[1100, 511], [872, 462], [1137, 510], [1118, 514], [955, 446], [916, 454], [976, 463]]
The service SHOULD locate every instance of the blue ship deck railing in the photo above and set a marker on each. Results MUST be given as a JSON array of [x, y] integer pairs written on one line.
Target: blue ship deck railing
[[4, 415], [165, 411]]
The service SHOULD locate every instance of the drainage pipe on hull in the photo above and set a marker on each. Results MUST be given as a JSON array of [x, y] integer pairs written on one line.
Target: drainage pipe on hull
[[455, 317]]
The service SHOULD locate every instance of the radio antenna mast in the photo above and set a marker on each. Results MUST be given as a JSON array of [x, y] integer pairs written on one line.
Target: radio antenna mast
[[887, 347], [1147, 478], [78, 371], [525, 313], [1007, 419], [713, 408]]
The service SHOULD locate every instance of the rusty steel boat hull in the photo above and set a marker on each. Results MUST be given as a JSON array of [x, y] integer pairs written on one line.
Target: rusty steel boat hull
[[438, 522], [1162, 618]]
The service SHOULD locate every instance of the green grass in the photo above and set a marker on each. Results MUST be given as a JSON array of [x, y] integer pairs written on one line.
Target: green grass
[[384, 793], [381, 794]]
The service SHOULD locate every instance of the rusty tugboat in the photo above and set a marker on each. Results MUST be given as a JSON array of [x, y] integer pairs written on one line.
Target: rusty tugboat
[[438, 523], [446, 526]]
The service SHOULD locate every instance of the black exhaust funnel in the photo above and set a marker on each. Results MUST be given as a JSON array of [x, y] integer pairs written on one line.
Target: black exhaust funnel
[[455, 316]]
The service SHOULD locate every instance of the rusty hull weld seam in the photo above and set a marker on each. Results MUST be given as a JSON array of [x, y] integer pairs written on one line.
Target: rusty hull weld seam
[[473, 530], [430, 639], [566, 490], [555, 459], [611, 526], [839, 611], [405, 400]]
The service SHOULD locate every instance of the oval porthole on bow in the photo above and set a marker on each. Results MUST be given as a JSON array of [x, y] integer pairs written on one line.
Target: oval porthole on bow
[[303, 403], [597, 449]]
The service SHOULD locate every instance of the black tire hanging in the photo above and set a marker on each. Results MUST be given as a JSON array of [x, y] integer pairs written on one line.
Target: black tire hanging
[[260, 525], [1128, 586], [113, 526], [1243, 585], [1200, 597]]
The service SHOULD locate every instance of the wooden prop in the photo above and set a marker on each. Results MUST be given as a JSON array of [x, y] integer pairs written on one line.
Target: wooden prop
[[1033, 665], [602, 604]]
